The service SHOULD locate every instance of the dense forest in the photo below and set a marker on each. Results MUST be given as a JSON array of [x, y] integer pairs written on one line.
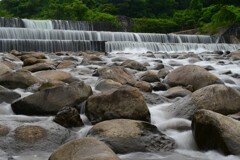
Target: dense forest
[[145, 15]]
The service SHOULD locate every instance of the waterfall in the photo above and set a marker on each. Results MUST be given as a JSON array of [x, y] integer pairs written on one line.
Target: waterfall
[[72, 25], [50, 45], [25, 33], [37, 24], [61, 35], [11, 22], [170, 47]]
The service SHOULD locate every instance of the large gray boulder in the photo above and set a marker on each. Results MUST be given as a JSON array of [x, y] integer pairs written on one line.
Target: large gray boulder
[[84, 149], [4, 69], [54, 75], [7, 95], [132, 64], [19, 79], [42, 136], [51, 100], [218, 98], [125, 136], [124, 102], [117, 74], [191, 75], [215, 131]]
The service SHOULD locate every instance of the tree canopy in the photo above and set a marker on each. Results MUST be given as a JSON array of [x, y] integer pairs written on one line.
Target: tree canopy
[[147, 15]]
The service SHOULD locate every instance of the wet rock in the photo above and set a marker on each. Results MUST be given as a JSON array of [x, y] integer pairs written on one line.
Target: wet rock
[[193, 60], [66, 64], [193, 75], [50, 101], [107, 84], [84, 149], [126, 136], [143, 86], [18, 79], [42, 136], [39, 67], [7, 95], [90, 59], [153, 98], [49, 84], [30, 61], [54, 75], [12, 65], [4, 130], [134, 65], [124, 102], [162, 73], [209, 68], [37, 55], [158, 66], [235, 116], [118, 74], [159, 86], [4, 69], [176, 92], [149, 76], [30, 134], [215, 131], [236, 75], [174, 63], [234, 56], [68, 117], [218, 98]]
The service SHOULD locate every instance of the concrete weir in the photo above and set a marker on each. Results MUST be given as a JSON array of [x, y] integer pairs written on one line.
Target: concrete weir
[[57, 35]]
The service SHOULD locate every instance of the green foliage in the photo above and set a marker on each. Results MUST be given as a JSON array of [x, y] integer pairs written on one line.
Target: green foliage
[[147, 15], [226, 16], [154, 25]]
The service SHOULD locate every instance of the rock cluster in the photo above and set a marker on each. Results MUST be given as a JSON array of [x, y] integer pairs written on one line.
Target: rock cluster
[[116, 98]]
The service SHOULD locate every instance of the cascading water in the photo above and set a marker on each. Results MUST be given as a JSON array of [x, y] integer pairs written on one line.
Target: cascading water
[[38, 24], [40, 35], [171, 47]]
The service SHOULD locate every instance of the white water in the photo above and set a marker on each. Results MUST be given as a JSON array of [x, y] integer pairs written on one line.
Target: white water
[[37, 24]]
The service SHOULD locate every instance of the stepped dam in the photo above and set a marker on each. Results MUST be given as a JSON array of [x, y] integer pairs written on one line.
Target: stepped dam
[[58, 35]]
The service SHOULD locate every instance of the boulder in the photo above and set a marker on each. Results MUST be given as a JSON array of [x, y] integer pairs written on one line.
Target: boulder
[[235, 55], [162, 73], [39, 67], [37, 55], [134, 65], [19, 79], [42, 136], [84, 149], [143, 86], [149, 76], [50, 101], [176, 92], [215, 131], [118, 74], [159, 86], [218, 98], [68, 117], [4, 69], [66, 64], [153, 98], [54, 75], [192, 75], [7, 95], [4, 130], [126, 136], [124, 102], [107, 84], [90, 59]]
